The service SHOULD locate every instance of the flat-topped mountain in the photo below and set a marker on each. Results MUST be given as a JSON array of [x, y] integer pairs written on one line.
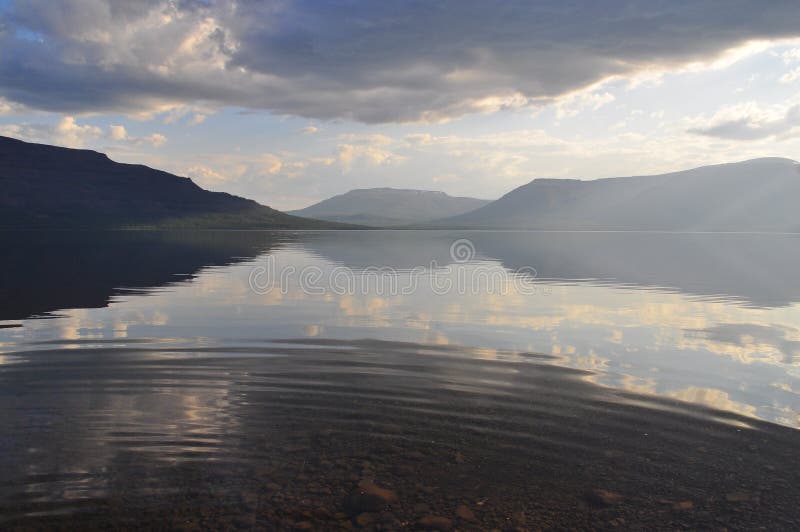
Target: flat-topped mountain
[[52, 187], [388, 207], [756, 195]]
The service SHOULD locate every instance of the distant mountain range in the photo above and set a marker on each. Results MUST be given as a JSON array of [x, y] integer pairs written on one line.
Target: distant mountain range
[[389, 207], [51, 187], [756, 195]]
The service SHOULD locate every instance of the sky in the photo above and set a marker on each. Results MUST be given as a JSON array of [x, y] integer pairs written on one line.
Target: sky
[[289, 101]]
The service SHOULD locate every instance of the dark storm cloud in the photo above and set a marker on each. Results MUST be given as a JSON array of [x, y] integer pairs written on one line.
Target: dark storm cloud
[[362, 60]]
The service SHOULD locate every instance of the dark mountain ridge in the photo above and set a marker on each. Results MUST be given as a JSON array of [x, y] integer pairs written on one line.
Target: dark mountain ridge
[[53, 187]]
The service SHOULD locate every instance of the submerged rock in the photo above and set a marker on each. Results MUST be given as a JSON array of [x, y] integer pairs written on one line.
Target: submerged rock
[[368, 498]]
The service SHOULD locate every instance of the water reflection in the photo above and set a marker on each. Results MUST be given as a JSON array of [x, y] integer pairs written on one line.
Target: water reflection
[[753, 269], [676, 315], [772, 342], [45, 272], [641, 364]]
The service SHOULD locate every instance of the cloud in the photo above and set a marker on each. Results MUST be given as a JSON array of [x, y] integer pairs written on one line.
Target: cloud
[[118, 132], [790, 76], [65, 132], [156, 140], [752, 122], [68, 132], [176, 113], [790, 56], [198, 118], [205, 176], [309, 130], [7, 108], [373, 62], [372, 150], [270, 164], [573, 104], [233, 168]]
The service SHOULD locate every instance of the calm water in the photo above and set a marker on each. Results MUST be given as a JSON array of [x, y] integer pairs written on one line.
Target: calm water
[[484, 379]]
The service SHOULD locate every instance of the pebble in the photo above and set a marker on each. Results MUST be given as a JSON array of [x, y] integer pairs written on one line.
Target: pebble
[[434, 522], [737, 496], [601, 497], [465, 513], [365, 519], [370, 488]]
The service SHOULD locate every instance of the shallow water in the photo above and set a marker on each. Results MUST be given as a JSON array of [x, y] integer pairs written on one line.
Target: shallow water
[[252, 379]]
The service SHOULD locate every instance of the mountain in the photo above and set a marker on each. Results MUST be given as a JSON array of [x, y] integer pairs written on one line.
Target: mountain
[[385, 207], [52, 187], [756, 195]]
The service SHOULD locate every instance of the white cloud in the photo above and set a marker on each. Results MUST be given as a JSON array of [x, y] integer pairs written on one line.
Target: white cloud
[[234, 169], [204, 175], [197, 118], [270, 164], [118, 132], [7, 107], [791, 56], [575, 103], [371, 150], [790, 76], [156, 139], [68, 132], [173, 113]]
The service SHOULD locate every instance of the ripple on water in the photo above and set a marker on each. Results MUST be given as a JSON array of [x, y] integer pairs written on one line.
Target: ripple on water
[[121, 428]]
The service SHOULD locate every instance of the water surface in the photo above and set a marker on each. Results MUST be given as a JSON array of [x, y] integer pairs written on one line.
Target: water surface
[[256, 379]]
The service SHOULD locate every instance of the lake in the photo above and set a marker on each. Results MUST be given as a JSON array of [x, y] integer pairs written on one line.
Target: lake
[[394, 379]]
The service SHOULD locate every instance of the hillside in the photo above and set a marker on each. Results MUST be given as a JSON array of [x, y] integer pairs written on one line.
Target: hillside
[[387, 207], [755, 195], [52, 187]]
